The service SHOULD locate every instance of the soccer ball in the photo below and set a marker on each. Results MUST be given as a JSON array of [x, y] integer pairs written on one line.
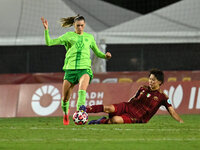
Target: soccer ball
[[80, 117]]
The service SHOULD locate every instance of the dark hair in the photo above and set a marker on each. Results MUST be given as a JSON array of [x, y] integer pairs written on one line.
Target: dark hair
[[78, 18], [158, 74], [68, 22]]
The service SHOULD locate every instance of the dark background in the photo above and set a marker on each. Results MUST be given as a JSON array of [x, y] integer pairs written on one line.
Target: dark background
[[141, 57], [142, 6], [25, 59], [129, 57]]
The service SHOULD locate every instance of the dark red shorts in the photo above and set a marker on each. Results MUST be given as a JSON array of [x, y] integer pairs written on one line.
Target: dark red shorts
[[121, 110]]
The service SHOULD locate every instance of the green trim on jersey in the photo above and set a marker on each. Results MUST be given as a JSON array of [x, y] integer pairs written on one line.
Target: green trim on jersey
[[77, 47]]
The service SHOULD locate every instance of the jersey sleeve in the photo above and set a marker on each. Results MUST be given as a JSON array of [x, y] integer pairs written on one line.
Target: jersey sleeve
[[96, 50], [136, 95], [166, 101], [138, 92], [59, 41]]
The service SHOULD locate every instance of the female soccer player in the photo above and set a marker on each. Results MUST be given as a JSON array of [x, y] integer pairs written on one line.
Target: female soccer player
[[77, 65], [140, 108]]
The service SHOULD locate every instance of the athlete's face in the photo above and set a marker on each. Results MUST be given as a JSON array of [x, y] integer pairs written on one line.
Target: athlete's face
[[79, 26], [154, 83]]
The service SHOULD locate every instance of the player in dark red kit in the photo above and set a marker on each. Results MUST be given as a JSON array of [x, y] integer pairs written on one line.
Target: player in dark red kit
[[140, 108]]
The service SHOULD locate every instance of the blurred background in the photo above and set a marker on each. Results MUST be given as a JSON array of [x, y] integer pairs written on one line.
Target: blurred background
[[140, 34]]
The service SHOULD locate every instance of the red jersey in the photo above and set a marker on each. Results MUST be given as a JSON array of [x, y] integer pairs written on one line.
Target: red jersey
[[146, 103]]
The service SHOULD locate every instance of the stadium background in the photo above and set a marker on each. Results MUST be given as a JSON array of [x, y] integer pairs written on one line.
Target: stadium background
[[140, 34]]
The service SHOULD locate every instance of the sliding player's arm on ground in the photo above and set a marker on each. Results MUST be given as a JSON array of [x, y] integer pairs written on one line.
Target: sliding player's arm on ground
[[168, 105], [173, 113]]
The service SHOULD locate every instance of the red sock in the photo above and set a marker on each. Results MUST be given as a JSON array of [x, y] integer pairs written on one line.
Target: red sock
[[94, 109]]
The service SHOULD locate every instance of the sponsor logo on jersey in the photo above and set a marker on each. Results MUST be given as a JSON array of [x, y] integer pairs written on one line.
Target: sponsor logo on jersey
[[169, 101]]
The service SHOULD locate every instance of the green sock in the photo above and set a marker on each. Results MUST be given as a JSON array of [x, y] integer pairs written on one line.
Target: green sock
[[65, 106], [81, 98]]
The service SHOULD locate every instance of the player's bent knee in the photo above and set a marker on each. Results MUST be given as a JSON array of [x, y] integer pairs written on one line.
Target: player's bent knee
[[109, 109], [64, 99], [117, 120]]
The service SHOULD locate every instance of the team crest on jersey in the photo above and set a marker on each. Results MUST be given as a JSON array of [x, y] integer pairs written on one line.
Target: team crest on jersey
[[155, 98], [86, 40]]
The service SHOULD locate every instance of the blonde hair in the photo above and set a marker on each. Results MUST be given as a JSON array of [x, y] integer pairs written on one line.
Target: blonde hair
[[68, 22]]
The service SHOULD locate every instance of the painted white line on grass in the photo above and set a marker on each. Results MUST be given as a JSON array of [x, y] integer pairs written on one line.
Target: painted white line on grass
[[81, 128], [99, 129], [100, 140], [118, 129], [157, 129]]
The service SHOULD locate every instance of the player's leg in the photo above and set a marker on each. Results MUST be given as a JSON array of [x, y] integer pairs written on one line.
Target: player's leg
[[109, 108], [124, 118], [70, 80], [66, 99], [104, 120], [100, 108], [83, 84], [115, 112], [116, 120], [84, 76], [66, 93]]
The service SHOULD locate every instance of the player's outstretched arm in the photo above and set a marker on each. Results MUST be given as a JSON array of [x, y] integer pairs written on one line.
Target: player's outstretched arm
[[173, 113], [49, 41]]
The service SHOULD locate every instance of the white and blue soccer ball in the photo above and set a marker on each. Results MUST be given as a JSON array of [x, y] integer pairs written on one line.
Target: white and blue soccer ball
[[80, 117]]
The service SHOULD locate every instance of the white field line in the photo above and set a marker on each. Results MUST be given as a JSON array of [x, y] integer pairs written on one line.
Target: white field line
[[99, 129], [101, 140]]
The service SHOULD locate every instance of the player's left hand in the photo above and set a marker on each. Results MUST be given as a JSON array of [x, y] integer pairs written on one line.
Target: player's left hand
[[108, 55], [181, 121]]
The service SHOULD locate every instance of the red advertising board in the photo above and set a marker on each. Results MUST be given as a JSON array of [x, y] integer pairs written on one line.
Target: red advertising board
[[44, 99], [185, 96], [30, 100], [108, 77], [9, 95], [39, 100]]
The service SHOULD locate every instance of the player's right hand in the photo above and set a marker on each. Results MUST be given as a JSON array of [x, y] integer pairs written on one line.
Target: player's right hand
[[108, 55], [45, 23]]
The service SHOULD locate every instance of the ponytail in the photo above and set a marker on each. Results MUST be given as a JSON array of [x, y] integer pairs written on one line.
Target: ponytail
[[68, 22]]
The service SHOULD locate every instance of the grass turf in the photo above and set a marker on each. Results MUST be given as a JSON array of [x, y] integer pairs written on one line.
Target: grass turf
[[48, 133]]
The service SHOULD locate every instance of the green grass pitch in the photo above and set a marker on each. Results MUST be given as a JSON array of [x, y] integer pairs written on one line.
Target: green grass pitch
[[48, 133]]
